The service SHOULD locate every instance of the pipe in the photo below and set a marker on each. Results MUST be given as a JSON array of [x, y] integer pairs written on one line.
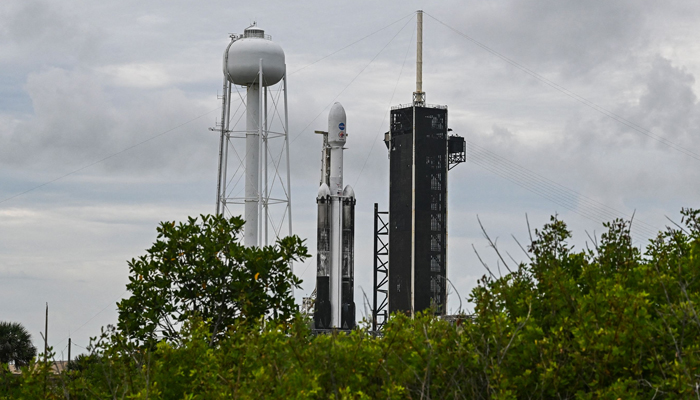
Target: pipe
[[252, 161]]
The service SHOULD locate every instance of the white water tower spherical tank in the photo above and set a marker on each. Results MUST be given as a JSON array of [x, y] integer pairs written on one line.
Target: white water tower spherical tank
[[244, 55]]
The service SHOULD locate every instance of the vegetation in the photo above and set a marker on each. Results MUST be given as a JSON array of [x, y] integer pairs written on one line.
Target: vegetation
[[15, 344], [201, 268], [16, 348], [613, 321]]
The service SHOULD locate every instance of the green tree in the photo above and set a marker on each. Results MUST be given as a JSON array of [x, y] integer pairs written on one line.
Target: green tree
[[200, 268], [607, 322], [15, 344]]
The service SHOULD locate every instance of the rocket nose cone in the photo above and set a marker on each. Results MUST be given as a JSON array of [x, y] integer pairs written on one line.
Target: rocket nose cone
[[337, 112], [323, 191], [348, 192], [337, 130]]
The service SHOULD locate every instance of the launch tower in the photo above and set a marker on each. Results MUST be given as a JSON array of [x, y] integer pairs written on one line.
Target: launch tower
[[420, 154]]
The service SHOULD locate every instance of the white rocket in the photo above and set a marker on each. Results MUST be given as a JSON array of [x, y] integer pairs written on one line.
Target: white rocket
[[335, 307]]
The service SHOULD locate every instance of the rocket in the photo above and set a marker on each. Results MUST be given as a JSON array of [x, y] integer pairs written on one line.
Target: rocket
[[335, 275]]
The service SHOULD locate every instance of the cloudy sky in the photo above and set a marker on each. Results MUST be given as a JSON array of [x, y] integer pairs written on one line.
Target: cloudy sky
[[587, 110]]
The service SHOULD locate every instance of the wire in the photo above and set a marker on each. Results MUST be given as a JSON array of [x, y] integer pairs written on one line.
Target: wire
[[574, 198], [562, 196], [108, 157], [93, 317], [554, 192], [350, 83], [353, 43], [307, 267], [388, 108], [575, 96]]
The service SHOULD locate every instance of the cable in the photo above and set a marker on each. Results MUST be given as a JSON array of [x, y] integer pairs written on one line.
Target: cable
[[388, 108], [550, 190], [307, 267], [556, 189], [562, 196], [93, 317], [351, 44], [350, 83], [582, 213], [108, 157], [575, 96]]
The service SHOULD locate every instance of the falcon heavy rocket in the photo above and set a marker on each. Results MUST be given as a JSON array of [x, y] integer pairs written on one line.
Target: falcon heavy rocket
[[335, 306]]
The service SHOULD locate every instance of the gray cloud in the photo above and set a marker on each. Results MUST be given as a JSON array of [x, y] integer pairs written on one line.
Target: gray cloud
[[40, 33], [571, 39]]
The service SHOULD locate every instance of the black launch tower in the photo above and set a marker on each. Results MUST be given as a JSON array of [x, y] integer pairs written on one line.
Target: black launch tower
[[420, 152], [410, 256]]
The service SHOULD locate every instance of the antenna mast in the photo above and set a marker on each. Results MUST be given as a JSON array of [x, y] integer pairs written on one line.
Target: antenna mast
[[419, 95]]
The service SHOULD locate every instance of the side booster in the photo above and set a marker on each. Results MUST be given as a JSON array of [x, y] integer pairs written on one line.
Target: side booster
[[335, 273]]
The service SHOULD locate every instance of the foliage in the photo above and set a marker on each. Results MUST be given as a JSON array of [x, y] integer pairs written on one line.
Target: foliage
[[601, 323], [201, 268], [15, 344], [614, 321]]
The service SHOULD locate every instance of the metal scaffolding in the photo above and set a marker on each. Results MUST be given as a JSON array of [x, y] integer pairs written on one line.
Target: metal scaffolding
[[380, 308]]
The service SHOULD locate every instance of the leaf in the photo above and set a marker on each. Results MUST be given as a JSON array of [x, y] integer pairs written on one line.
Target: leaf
[[211, 260]]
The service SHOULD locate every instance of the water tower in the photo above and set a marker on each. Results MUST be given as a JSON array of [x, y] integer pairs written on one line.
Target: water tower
[[254, 170]]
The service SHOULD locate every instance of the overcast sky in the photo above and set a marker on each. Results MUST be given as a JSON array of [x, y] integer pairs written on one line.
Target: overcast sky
[[582, 109]]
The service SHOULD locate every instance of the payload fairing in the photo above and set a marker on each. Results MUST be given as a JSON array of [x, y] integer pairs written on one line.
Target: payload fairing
[[335, 306]]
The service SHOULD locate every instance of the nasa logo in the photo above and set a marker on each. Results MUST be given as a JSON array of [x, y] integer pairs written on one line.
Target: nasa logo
[[341, 126]]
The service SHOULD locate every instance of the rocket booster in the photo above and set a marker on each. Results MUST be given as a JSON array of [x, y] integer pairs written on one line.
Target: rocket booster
[[335, 273], [347, 312]]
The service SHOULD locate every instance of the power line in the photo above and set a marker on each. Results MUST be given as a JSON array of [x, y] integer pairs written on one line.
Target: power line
[[107, 157], [571, 94]]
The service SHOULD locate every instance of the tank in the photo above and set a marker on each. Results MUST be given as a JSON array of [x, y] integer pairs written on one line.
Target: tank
[[243, 59]]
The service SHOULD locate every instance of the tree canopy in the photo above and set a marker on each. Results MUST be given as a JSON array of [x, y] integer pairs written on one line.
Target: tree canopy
[[201, 268], [15, 344], [613, 319]]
